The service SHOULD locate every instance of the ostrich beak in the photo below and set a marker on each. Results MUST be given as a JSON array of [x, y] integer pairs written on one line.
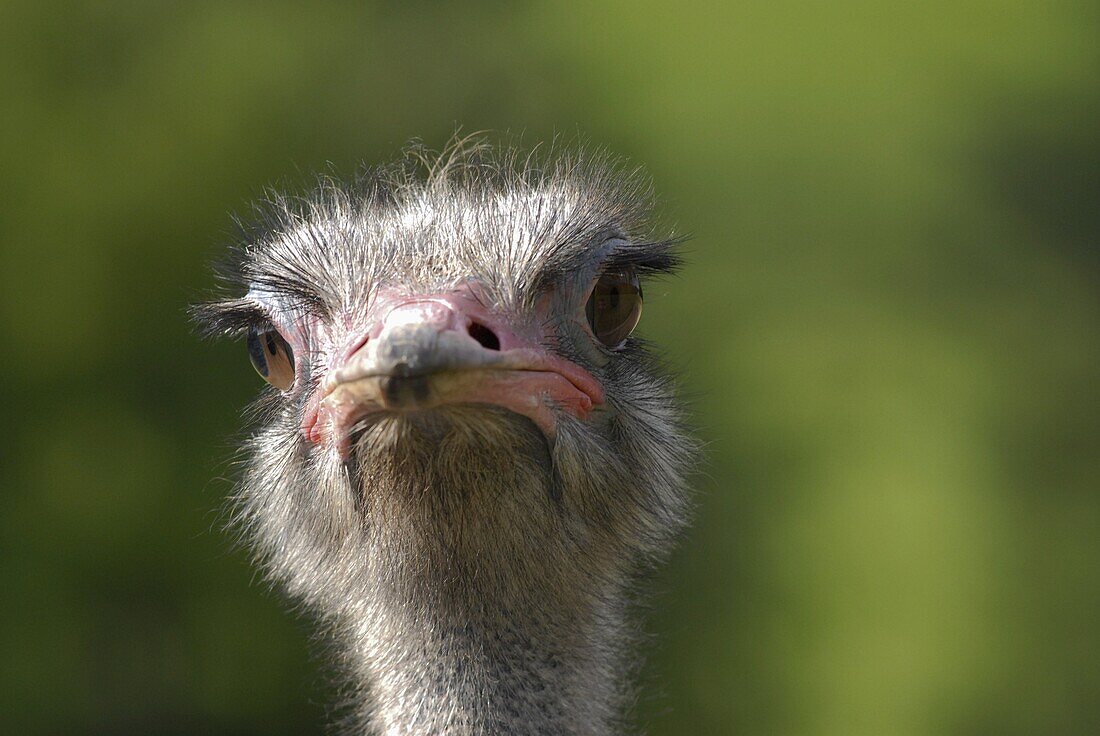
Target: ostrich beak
[[446, 350]]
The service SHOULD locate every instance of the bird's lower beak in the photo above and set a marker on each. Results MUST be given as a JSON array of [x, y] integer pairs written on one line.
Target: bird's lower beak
[[432, 353]]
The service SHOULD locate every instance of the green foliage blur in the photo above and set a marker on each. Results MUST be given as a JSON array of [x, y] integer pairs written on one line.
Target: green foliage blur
[[888, 327]]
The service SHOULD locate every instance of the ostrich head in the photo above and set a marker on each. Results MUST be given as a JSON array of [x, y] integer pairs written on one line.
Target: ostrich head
[[464, 457]]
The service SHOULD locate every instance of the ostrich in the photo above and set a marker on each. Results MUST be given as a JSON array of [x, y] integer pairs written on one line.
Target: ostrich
[[464, 459]]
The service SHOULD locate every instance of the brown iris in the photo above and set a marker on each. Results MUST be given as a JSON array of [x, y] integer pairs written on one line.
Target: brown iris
[[272, 357], [615, 306]]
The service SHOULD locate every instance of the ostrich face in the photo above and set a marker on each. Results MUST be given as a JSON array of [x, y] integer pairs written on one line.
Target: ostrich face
[[417, 350], [454, 383]]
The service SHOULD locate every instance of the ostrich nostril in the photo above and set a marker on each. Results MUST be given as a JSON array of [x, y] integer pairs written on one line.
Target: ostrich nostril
[[486, 337]]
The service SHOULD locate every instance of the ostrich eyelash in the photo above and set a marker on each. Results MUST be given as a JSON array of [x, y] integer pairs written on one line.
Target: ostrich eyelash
[[653, 258], [647, 258], [229, 318]]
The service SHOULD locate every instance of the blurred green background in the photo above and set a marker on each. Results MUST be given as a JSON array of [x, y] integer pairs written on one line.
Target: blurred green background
[[889, 326]]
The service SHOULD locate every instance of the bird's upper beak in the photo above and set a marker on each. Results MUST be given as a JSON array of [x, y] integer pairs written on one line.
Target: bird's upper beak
[[422, 352]]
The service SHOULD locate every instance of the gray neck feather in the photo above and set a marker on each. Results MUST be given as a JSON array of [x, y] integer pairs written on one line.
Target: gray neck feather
[[471, 597], [486, 612], [486, 668]]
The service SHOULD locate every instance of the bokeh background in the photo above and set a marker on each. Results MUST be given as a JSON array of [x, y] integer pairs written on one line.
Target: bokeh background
[[889, 328]]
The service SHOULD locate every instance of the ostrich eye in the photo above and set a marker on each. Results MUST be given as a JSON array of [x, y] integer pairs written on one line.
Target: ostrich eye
[[615, 306], [272, 358]]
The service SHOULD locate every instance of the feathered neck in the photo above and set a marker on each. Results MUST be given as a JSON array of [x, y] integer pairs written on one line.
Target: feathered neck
[[474, 598]]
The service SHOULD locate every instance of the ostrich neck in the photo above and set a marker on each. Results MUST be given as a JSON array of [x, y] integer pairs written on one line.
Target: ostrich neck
[[482, 597], [488, 669], [488, 626]]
